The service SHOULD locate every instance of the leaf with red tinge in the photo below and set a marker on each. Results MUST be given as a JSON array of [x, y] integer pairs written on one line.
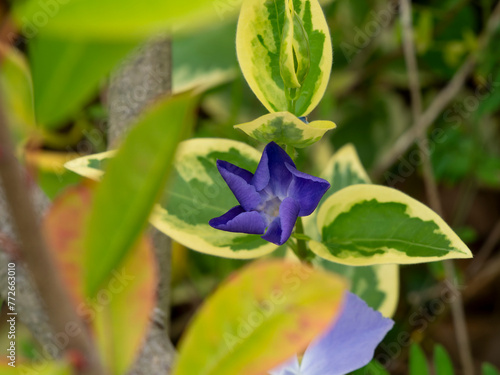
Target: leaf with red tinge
[[258, 318], [119, 314]]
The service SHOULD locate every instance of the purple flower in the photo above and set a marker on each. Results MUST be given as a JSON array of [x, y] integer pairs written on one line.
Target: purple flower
[[271, 199], [348, 345]]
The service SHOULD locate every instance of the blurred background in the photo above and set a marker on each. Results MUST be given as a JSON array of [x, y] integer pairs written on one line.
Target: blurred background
[[369, 99]]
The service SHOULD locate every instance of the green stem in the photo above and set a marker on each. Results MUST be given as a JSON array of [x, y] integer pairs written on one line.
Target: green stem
[[301, 251]]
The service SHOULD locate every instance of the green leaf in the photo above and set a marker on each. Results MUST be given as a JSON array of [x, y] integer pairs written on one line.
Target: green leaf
[[198, 193], [133, 183], [370, 224], [118, 19], [276, 308], [442, 362], [418, 362], [343, 169], [489, 369], [66, 73], [62, 367], [286, 129], [377, 285], [275, 49], [372, 368], [91, 166], [17, 92]]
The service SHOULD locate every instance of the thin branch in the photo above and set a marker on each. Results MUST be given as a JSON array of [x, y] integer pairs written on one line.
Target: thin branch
[[485, 251], [407, 139], [483, 279], [145, 77], [36, 255], [430, 183]]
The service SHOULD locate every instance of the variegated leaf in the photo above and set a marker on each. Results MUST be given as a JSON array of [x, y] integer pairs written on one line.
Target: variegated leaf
[[378, 285], [285, 53], [371, 224], [91, 166], [285, 128], [196, 194], [343, 169]]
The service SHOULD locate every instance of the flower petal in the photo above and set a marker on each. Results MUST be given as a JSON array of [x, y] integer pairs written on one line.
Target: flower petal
[[234, 169], [290, 367], [281, 228], [307, 190], [272, 170], [351, 341], [239, 220], [238, 180]]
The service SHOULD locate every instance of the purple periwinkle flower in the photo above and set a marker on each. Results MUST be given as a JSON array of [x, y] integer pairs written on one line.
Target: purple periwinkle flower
[[272, 198], [348, 344]]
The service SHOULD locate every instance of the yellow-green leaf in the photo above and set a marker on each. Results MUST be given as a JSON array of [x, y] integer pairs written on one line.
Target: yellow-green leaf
[[259, 318], [285, 128], [280, 82], [371, 224], [118, 19]]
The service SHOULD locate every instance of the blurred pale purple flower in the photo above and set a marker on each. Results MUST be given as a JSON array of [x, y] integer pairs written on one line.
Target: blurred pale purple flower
[[272, 198], [347, 346]]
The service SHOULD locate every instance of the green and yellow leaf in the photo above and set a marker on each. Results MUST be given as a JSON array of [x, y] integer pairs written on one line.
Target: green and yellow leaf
[[276, 308], [377, 285], [371, 224], [91, 166], [285, 53], [285, 128], [197, 193]]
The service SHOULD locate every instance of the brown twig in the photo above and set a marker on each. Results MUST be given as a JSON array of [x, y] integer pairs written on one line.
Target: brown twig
[[431, 186], [407, 139], [145, 77], [485, 251], [483, 279], [36, 255]]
